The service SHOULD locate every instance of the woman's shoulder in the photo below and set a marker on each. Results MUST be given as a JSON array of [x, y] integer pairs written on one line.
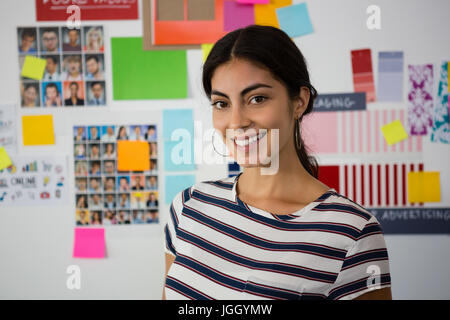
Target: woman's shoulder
[[338, 208], [221, 188]]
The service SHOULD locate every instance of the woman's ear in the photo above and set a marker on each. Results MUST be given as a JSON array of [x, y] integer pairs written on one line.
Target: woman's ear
[[301, 102]]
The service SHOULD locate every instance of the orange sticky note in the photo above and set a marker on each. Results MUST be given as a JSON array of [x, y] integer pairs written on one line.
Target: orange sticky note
[[37, 130], [133, 155], [424, 186], [265, 14]]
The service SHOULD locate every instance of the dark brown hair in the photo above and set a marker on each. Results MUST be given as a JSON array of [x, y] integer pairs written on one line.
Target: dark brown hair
[[274, 50]]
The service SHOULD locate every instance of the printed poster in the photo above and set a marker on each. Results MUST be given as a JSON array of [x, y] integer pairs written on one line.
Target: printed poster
[[74, 74], [34, 180], [104, 195]]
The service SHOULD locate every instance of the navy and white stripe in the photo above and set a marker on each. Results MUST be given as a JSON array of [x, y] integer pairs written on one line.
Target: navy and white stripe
[[227, 249]]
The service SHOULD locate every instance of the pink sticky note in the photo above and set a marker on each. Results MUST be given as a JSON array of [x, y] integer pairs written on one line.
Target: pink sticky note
[[320, 132], [237, 15], [89, 243], [254, 1]]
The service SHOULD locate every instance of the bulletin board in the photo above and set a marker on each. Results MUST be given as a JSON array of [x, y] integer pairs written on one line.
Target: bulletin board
[[356, 161]]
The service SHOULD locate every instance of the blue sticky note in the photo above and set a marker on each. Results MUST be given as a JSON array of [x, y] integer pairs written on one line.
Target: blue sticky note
[[178, 137], [175, 184], [294, 20]]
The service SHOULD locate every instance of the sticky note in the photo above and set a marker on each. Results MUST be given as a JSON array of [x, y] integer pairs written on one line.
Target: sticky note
[[237, 15], [265, 14], [37, 130], [253, 1], [294, 20], [424, 186], [89, 243], [5, 160], [178, 135], [139, 74], [175, 184], [33, 67], [133, 155], [394, 132], [206, 49]]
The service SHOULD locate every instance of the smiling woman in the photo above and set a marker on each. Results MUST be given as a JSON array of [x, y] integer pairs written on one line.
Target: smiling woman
[[283, 235]]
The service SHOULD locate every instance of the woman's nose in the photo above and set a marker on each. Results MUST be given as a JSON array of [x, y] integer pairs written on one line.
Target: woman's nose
[[238, 118]]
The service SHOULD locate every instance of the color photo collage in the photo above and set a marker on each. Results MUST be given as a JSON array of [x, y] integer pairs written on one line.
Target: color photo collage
[[75, 66], [104, 195]]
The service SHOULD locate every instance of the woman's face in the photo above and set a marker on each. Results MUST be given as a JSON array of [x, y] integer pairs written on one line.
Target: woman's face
[[30, 95], [247, 98]]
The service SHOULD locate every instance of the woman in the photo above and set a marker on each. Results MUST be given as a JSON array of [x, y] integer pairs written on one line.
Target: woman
[[122, 133], [30, 96], [94, 40], [282, 235]]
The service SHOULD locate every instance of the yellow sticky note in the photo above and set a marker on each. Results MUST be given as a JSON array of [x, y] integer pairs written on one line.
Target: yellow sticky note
[[133, 155], [206, 49], [424, 186], [33, 67], [37, 130], [5, 161], [394, 132], [265, 14]]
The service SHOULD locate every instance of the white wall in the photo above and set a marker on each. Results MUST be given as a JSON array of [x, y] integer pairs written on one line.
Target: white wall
[[36, 242]]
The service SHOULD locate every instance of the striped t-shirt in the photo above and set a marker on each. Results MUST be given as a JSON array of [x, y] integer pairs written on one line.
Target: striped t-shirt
[[226, 249]]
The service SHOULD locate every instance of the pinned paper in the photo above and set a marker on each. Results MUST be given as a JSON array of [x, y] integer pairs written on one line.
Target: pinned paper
[[175, 184], [33, 67], [133, 155], [5, 161], [265, 14], [37, 130], [424, 186], [89, 243], [178, 134], [139, 74], [206, 49], [237, 15], [294, 20], [363, 73], [394, 132], [390, 76]]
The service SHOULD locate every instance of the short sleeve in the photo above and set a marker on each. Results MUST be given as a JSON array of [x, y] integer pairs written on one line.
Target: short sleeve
[[365, 267], [173, 221]]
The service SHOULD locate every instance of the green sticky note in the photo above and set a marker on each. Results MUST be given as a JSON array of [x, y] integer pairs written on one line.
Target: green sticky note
[[33, 67], [5, 161], [139, 74]]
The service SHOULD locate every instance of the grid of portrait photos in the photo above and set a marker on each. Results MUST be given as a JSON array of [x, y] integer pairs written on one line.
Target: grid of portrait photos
[[104, 195], [75, 66]]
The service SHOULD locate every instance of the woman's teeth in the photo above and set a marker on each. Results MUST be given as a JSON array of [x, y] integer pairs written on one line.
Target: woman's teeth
[[245, 142]]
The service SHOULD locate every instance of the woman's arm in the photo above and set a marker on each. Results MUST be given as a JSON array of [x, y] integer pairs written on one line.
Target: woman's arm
[[170, 258], [379, 294]]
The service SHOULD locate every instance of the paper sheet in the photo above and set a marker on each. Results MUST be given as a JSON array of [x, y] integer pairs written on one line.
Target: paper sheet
[[139, 74], [133, 156], [89, 243], [424, 186], [295, 20], [37, 130]]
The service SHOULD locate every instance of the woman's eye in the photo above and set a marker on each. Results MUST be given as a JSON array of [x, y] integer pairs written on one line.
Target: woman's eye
[[219, 104], [258, 99]]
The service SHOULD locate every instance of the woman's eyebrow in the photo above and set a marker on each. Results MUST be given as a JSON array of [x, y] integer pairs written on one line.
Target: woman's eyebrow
[[243, 92]]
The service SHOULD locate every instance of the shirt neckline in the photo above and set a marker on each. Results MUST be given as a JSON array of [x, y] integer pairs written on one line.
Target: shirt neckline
[[290, 216]]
